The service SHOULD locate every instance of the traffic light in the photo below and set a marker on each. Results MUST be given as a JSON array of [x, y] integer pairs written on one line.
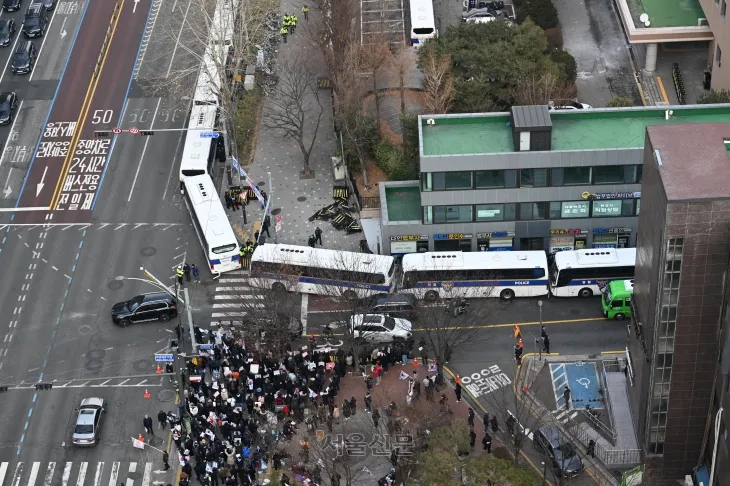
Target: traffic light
[[101, 133], [3, 389], [43, 386], [147, 133]]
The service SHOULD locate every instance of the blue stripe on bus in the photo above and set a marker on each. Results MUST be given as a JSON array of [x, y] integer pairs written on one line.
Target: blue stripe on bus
[[483, 283], [324, 281]]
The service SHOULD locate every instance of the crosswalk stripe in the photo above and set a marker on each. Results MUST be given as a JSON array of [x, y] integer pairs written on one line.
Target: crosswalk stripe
[[82, 474], [99, 471], [49, 474], [3, 471], [66, 474], [232, 280], [228, 314], [34, 473], [115, 473], [147, 474], [234, 305], [132, 468], [235, 297], [18, 474], [220, 288]]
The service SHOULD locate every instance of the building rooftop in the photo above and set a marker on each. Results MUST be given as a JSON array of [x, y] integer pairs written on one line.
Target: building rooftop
[[666, 13], [604, 128], [693, 160], [403, 203]]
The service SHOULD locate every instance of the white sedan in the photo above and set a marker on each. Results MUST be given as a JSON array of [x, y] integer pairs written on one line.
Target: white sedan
[[380, 328]]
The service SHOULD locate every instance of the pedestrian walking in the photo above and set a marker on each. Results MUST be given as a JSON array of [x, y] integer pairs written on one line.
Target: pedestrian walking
[[485, 421], [457, 390], [196, 273], [264, 196], [186, 271], [566, 397], [487, 442], [376, 418], [305, 11], [368, 402], [546, 344], [242, 255], [180, 274], [591, 448], [346, 410], [162, 419], [147, 422], [311, 240], [166, 460], [283, 31], [318, 236], [265, 226], [470, 419], [256, 236], [353, 406], [472, 438], [494, 423], [543, 332]]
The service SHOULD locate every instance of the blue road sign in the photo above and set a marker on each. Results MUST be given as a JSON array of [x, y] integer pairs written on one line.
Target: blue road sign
[[209, 134], [165, 358], [205, 347]]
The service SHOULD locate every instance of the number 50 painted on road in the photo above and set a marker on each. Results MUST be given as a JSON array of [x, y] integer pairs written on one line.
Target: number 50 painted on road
[[102, 116]]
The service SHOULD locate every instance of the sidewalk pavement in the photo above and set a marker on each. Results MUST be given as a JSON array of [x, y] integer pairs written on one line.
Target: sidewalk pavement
[[293, 198]]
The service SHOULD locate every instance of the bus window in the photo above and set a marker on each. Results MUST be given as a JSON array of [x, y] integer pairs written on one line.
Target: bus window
[[423, 30], [564, 277]]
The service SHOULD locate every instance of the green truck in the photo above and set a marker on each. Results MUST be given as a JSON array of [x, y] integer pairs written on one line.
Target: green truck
[[616, 300]]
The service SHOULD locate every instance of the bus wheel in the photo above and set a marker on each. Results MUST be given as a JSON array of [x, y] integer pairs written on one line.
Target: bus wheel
[[507, 294], [278, 287], [349, 294], [586, 292], [431, 296], [619, 317]]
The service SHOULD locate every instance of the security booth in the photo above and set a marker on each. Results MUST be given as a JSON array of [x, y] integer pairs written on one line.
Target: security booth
[[452, 242]]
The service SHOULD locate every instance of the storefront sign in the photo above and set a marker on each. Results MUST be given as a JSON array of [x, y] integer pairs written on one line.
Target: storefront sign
[[452, 236], [574, 209], [397, 247], [607, 208], [612, 195], [561, 243], [409, 238], [599, 231], [605, 240], [496, 234], [568, 232]]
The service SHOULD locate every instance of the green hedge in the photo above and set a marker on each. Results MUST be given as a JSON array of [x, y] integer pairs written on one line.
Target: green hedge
[[390, 159], [542, 12], [566, 63]]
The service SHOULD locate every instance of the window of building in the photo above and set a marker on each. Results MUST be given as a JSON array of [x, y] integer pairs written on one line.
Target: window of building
[[617, 174], [530, 211], [446, 181], [452, 214], [554, 210], [510, 212], [577, 209], [533, 177], [490, 212], [571, 176], [494, 179]]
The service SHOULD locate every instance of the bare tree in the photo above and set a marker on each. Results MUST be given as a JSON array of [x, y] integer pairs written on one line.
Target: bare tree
[[438, 82], [402, 62], [292, 105], [375, 58], [220, 39], [542, 88], [358, 128]]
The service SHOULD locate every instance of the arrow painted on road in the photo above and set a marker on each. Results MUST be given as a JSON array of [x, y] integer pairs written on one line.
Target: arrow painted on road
[[134, 9], [40, 185], [63, 31], [7, 190]]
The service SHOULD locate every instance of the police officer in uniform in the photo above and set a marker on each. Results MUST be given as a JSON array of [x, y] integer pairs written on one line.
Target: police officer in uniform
[[283, 31], [305, 11], [180, 274], [242, 254]]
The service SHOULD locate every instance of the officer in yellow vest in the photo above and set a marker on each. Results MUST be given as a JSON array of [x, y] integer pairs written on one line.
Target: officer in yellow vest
[[293, 20], [283, 31], [242, 254], [305, 11], [180, 274]]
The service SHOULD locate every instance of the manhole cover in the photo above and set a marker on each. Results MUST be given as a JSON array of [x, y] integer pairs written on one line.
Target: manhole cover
[[261, 183], [148, 251], [144, 365], [166, 395], [115, 284], [275, 211], [301, 199], [84, 330]]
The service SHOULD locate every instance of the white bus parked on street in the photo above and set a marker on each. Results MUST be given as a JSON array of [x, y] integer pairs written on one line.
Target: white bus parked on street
[[583, 273], [211, 224], [321, 271], [423, 22], [447, 274]]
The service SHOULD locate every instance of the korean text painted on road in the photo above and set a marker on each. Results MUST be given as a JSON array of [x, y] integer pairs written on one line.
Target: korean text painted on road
[[486, 381]]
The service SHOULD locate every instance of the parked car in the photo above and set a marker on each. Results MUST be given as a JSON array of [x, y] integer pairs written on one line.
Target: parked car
[[7, 32], [394, 305], [24, 58], [8, 103], [89, 418], [157, 306], [379, 328], [564, 456], [571, 105]]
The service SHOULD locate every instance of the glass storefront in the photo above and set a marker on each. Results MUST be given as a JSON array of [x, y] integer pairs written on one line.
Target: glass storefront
[[452, 242]]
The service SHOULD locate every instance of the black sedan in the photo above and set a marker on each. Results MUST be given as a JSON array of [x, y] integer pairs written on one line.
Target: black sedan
[[7, 32], [8, 103], [11, 5]]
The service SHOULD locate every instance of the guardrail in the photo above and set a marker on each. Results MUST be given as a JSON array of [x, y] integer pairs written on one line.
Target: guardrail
[[609, 408], [609, 457]]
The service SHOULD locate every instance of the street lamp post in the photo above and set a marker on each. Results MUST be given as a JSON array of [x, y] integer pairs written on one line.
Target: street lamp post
[[539, 305], [544, 473]]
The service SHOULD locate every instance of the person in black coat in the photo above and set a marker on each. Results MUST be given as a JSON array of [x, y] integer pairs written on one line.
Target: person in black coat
[[457, 390]]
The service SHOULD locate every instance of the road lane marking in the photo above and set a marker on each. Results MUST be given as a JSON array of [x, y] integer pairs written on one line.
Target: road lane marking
[[177, 42], [147, 474], [49, 474], [132, 469], [144, 149], [43, 42], [99, 471], [5, 69], [7, 142], [115, 473], [4, 471], [85, 107], [18, 470], [34, 473]]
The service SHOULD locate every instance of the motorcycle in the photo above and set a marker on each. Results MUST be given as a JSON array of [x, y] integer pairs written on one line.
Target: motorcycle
[[457, 306]]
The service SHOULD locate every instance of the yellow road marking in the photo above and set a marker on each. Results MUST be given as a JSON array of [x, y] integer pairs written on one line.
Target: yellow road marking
[[661, 88], [613, 352], [80, 122]]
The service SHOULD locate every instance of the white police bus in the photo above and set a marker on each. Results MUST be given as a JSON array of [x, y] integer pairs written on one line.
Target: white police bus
[[214, 232], [199, 152], [321, 271], [583, 273], [423, 22], [447, 274]]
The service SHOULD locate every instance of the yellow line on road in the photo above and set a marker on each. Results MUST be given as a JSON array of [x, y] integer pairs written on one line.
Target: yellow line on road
[[613, 352], [88, 98], [661, 88]]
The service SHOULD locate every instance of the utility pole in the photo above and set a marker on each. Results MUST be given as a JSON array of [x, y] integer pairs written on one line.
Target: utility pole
[[539, 304], [267, 210]]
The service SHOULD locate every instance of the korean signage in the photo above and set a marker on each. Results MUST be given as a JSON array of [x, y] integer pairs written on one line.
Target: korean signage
[[607, 208], [397, 247], [561, 243], [605, 240], [409, 238], [568, 232], [452, 236], [579, 209], [598, 231], [496, 234], [612, 195]]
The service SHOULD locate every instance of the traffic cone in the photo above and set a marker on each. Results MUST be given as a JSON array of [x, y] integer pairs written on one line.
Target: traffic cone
[[159, 370], [146, 393]]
